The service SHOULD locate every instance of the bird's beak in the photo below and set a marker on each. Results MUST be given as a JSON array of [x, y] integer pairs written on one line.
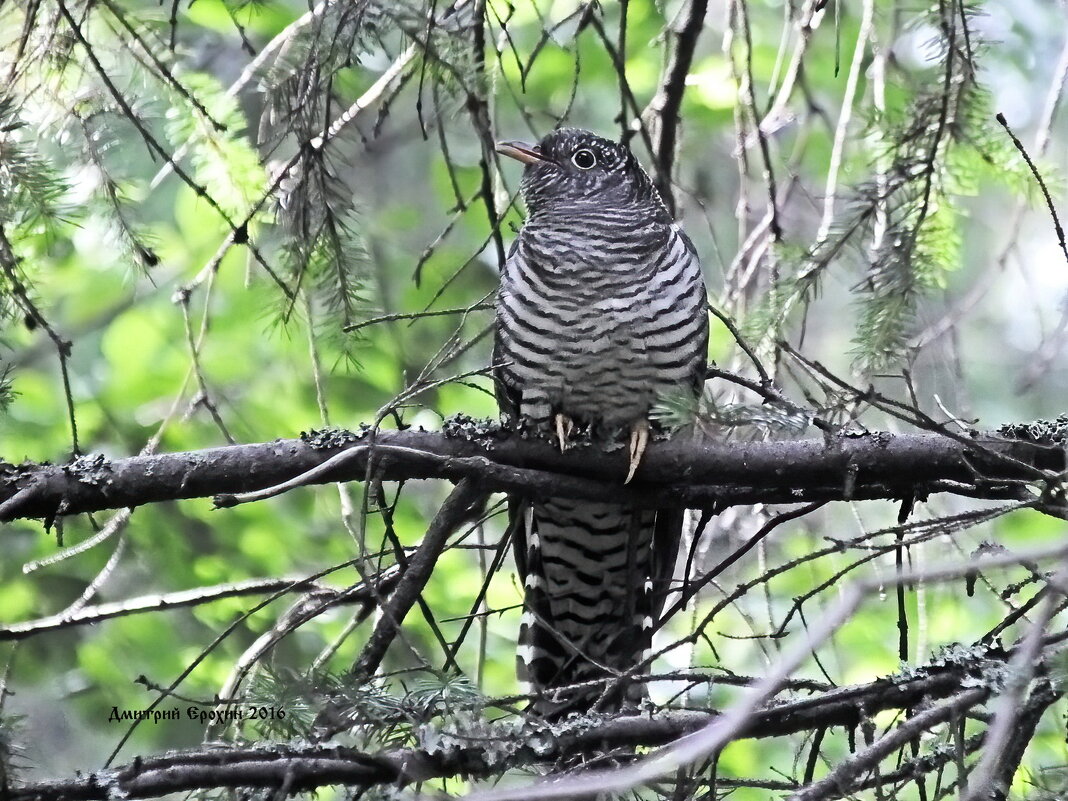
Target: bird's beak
[[520, 151]]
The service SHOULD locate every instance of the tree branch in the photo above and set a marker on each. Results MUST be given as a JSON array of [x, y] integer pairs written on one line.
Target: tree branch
[[184, 598], [451, 514], [839, 782], [307, 768], [680, 471], [665, 105]]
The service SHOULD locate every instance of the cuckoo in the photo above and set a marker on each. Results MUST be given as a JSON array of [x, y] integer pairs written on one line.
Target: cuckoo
[[601, 310]]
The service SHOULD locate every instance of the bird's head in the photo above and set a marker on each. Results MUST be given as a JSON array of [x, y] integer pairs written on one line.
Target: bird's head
[[571, 169]]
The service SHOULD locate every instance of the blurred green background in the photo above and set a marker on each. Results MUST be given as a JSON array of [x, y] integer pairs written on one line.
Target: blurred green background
[[984, 342]]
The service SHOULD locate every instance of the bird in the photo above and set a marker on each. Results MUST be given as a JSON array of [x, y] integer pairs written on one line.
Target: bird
[[601, 311]]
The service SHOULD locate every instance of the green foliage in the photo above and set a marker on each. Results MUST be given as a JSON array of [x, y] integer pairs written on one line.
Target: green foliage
[[224, 161], [920, 242], [932, 145], [767, 418], [31, 191], [766, 322], [388, 215], [33, 210]]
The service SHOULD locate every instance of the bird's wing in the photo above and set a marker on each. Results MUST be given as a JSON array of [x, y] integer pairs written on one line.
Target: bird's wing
[[699, 342], [669, 522], [509, 396], [507, 392]]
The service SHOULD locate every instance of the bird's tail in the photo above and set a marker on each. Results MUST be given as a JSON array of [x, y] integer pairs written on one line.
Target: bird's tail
[[595, 575]]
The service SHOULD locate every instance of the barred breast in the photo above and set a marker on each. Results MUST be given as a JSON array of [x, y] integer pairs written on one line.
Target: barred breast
[[601, 327]]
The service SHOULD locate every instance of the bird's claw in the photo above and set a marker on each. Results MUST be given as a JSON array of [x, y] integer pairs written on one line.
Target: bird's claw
[[564, 426], [639, 438]]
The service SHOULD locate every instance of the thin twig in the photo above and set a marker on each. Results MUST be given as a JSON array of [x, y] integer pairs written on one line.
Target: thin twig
[[415, 576], [1039, 180], [839, 782]]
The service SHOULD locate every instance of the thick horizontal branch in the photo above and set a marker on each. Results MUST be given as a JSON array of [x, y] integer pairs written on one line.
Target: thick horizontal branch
[[307, 768], [679, 471]]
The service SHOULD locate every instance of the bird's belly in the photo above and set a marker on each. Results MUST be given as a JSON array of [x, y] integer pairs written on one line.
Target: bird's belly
[[602, 373], [596, 359]]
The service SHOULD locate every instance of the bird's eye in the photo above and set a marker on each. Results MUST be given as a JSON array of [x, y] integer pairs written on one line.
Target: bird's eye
[[584, 159]]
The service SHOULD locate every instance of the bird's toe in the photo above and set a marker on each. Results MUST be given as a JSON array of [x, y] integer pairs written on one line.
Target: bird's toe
[[639, 438]]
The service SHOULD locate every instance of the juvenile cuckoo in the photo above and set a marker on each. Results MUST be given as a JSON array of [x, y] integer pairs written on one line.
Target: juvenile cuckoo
[[601, 310]]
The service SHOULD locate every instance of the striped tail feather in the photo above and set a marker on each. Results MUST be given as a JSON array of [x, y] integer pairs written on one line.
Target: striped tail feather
[[595, 577]]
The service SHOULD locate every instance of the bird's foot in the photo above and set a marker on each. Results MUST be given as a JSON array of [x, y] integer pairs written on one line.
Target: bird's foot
[[564, 427], [639, 438]]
